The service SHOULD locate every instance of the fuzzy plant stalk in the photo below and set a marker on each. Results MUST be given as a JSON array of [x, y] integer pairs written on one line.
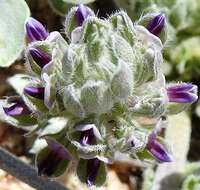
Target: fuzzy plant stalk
[[95, 93]]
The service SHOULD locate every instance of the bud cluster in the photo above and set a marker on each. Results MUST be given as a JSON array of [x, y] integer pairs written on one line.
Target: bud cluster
[[89, 90]]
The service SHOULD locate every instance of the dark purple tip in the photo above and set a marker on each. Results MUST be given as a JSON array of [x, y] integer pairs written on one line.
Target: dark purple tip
[[156, 25], [35, 30], [82, 13], [182, 93], [40, 57], [18, 108], [36, 92], [87, 137], [159, 151], [93, 166], [57, 154]]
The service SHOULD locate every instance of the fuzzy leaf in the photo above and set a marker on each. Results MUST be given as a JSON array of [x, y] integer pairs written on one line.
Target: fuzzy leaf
[[12, 34], [18, 82], [122, 82]]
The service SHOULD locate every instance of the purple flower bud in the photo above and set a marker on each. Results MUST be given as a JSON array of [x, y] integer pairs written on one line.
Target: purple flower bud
[[36, 92], [93, 166], [182, 93], [18, 108], [57, 154], [82, 13], [156, 25], [35, 30], [40, 57], [159, 151]]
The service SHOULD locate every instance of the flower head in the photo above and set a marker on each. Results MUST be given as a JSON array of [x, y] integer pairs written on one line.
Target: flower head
[[35, 30]]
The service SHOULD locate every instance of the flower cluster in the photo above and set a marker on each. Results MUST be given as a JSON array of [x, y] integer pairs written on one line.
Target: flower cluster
[[89, 92]]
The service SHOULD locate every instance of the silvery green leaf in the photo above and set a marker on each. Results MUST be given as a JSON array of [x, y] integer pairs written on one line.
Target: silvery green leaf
[[54, 126], [71, 22], [122, 81], [38, 145], [123, 25], [96, 97], [92, 26], [19, 81], [147, 38], [71, 101], [152, 103], [57, 41], [122, 49], [12, 34]]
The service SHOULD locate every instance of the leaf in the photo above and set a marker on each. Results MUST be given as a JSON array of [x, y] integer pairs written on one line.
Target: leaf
[[55, 125], [18, 82], [12, 34]]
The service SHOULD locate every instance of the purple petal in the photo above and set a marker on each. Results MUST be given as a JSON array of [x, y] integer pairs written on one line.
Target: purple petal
[[92, 171], [87, 137], [58, 148], [182, 97], [82, 13], [159, 151], [35, 30], [180, 87], [36, 92], [156, 25], [17, 109], [41, 58], [57, 154], [85, 127]]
